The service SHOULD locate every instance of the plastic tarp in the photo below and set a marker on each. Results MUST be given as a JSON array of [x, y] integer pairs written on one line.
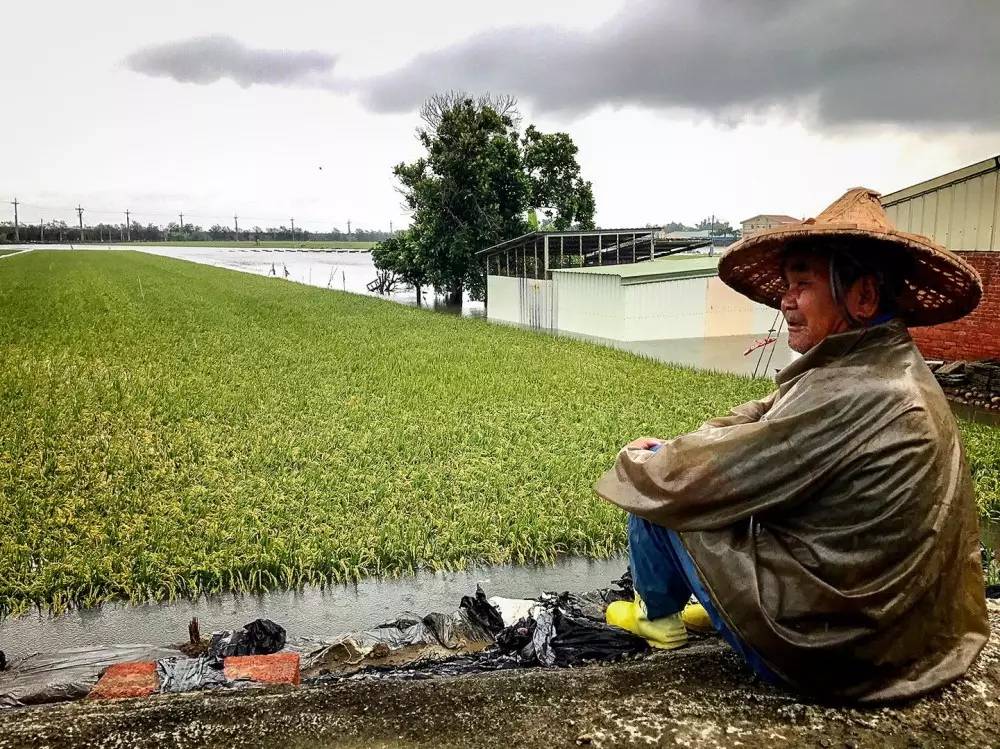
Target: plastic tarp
[[552, 630], [68, 674], [481, 635]]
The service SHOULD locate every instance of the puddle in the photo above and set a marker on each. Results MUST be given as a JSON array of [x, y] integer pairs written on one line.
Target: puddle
[[718, 353], [311, 612]]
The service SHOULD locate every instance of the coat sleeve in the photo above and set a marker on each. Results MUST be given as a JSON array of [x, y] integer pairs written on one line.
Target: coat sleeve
[[735, 467], [744, 413]]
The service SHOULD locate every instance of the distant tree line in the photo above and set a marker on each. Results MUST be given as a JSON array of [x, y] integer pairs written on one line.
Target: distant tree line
[[716, 226], [60, 231]]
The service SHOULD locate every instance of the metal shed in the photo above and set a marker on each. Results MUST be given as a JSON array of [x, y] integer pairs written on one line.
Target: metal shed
[[677, 297], [519, 272], [960, 209]]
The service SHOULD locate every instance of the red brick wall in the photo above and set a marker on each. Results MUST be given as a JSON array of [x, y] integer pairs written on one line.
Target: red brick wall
[[975, 336]]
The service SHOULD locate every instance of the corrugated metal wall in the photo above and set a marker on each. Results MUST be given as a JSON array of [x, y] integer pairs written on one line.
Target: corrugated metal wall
[[601, 305], [589, 303], [961, 214], [521, 301]]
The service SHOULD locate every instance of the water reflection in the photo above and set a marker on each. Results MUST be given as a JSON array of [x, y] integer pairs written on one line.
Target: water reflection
[[341, 270]]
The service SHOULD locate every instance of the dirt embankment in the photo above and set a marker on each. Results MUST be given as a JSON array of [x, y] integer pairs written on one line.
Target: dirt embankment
[[699, 696]]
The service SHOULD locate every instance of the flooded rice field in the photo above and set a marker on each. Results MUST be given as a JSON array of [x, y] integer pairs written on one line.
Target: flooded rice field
[[342, 270], [311, 612]]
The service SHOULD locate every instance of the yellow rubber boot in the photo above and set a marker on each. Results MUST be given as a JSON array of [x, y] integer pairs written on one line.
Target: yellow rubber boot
[[666, 632], [696, 618]]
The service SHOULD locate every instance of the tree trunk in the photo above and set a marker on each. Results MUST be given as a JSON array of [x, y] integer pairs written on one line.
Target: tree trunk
[[455, 296], [419, 295]]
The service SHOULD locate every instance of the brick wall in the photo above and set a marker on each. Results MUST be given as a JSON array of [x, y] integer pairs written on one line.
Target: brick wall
[[975, 336]]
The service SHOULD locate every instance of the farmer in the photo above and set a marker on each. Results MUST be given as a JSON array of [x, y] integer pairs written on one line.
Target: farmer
[[828, 531]]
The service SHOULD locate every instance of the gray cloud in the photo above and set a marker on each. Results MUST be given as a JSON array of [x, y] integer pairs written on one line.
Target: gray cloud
[[910, 62], [208, 59]]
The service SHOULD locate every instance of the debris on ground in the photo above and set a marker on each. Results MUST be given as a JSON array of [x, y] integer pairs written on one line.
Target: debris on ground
[[702, 695], [482, 635], [975, 383]]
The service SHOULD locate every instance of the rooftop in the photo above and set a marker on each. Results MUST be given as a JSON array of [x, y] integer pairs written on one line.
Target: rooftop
[[670, 268], [991, 164], [779, 217]]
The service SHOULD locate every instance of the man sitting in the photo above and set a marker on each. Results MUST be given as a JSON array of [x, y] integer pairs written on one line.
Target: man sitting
[[829, 530]]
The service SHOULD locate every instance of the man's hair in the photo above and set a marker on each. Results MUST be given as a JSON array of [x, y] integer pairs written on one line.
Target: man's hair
[[851, 259]]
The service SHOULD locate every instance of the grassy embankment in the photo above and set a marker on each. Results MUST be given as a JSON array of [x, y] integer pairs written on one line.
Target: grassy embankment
[[242, 244], [168, 428]]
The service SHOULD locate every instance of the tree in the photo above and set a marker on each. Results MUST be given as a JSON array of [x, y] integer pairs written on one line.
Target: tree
[[477, 183], [554, 178], [715, 227], [400, 255]]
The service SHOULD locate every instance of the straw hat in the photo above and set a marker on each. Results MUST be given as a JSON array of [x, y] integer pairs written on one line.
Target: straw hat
[[938, 285]]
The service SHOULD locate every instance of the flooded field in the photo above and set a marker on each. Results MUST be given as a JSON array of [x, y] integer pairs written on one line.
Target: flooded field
[[342, 270], [313, 612]]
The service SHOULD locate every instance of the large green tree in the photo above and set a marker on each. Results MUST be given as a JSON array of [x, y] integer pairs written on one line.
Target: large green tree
[[477, 183]]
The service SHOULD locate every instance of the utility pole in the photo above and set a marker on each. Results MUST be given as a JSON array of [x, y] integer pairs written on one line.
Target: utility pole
[[390, 226], [236, 222], [182, 222], [17, 230], [79, 212], [293, 229], [128, 227], [348, 228], [41, 230]]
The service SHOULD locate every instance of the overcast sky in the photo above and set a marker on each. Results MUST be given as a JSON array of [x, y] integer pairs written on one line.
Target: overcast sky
[[680, 108]]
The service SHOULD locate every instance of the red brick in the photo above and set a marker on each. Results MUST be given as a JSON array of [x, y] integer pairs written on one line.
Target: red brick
[[280, 668], [136, 679], [976, 336]]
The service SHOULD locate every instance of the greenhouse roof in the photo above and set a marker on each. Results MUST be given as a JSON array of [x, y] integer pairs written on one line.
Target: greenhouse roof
[[672, 267]]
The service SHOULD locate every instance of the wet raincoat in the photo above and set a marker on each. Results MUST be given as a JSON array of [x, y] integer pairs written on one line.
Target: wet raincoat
[[833, 522]]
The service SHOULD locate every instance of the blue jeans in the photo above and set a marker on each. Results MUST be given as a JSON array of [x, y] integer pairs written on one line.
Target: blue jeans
[[665, 576]]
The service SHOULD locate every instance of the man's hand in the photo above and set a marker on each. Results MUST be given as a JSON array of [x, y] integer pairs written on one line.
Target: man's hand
[[644, 443]]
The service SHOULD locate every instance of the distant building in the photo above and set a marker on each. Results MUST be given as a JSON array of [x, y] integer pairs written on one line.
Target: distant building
[[764, 221], [960, 210]]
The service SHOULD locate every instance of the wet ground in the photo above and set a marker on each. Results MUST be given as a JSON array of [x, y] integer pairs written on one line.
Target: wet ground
[[698, 696], [312, 612]]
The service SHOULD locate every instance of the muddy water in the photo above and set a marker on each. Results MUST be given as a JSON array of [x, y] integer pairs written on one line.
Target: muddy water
[[343, 270], [312, 612]]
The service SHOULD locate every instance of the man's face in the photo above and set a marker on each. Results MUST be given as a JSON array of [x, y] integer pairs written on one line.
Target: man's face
[[807, 303]]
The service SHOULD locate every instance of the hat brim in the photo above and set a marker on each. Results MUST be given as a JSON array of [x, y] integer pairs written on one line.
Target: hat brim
[[938, 286]]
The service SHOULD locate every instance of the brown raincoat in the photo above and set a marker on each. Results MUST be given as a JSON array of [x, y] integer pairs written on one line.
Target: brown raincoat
[[833, 522]]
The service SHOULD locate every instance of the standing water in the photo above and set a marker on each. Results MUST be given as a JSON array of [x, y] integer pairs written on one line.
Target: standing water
[[312, 612], [340, 270]]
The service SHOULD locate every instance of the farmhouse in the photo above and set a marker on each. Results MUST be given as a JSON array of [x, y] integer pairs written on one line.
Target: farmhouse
[[960, 210], [763, 221]]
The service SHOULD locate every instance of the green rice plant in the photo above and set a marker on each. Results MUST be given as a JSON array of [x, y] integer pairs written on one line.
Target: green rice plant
[[169, 429], [982, 447]]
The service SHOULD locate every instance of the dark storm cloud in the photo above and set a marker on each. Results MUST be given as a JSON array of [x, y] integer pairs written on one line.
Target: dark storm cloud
[[208, 59], [911, 62]]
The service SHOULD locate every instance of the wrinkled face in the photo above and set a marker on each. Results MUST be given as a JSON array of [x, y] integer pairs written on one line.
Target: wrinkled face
[[807, 303]]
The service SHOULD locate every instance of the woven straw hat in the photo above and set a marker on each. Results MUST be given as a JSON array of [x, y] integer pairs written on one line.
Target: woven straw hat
[[938, 285]]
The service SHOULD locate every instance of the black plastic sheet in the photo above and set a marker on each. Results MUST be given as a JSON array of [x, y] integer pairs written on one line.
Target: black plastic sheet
[[190, 674], [259, 637], [562, 630]]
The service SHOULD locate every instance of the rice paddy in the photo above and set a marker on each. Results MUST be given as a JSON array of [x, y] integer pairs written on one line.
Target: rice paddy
[[168, 429]]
